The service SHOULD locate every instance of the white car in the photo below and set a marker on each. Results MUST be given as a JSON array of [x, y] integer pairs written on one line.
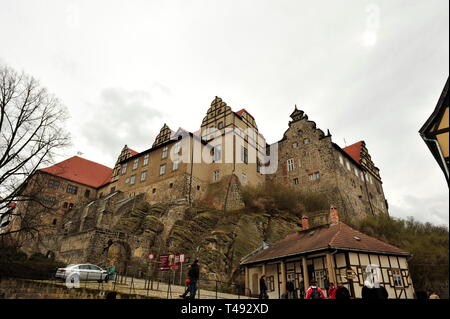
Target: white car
[[81, 272]]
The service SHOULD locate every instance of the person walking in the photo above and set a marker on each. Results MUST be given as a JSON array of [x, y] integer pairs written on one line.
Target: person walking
[[342, 292], [193, 274], [290, 289], [331, 291], [111, 272], [263, 288], [314, 292]]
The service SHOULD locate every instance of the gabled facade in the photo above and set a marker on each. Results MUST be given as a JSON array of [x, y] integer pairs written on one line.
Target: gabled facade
[[332, 252], [309, 161], [435, 132]]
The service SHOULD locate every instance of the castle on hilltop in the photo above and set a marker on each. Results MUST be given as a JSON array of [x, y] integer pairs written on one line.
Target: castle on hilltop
[[209, 166]]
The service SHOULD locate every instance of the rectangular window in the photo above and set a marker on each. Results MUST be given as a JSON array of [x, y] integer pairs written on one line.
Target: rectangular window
[[135, 163], [71, 189], [145, 162], [244, 178], [397, 278], [244, 155], [314, 176], [290, 164], [296, 181], [216, 175], [175, 164], [164, 152], [162, 169], [65, 205], [217, 150], [270, 282], [132, 179], [87, 193], [48, 201], [294, 145], [143, 176], [124, 168], [53, 184], [177, 147]]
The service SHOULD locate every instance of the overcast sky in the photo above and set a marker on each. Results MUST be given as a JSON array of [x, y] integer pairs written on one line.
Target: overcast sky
[[366, 70]]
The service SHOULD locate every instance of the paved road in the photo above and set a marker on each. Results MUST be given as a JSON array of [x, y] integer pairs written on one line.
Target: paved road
[[161, 290]]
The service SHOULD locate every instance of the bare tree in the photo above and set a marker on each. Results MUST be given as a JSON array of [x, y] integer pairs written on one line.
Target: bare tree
[[31, 132]]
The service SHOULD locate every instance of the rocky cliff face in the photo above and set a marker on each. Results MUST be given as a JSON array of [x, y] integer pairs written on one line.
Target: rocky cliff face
[[219, 239]]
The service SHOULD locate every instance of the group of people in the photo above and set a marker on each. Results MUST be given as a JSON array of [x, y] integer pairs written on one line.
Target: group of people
[[315, 292]]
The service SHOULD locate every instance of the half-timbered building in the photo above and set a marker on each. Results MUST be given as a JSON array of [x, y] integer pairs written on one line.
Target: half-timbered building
[[333, 252]]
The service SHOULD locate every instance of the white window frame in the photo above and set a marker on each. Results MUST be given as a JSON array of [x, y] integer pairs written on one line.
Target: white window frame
[[143, 176], [176, 164], [123, 170], [290, 164], [136, 163], [162, 169], [177, 147], [216, 175], [164, 152], [397, 276], [217, 150], [145, 162], [132, 179]]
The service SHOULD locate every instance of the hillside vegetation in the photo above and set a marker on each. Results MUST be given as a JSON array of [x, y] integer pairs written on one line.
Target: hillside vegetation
[[428, 244]]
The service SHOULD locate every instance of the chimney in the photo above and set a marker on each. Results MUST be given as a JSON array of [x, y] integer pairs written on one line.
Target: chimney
[[334, 216], [305, 223]]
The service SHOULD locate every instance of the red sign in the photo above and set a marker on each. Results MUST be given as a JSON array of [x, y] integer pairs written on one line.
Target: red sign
[[164, 262], [170, 262]]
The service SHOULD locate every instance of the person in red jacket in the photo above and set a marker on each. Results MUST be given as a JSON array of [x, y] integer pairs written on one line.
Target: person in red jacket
[[314, 292], [331, 291]]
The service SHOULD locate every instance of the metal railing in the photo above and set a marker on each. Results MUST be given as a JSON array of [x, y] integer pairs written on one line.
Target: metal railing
[[164, 284]]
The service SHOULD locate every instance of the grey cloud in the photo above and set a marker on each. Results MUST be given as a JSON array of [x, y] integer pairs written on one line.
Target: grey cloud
[[121, 117]]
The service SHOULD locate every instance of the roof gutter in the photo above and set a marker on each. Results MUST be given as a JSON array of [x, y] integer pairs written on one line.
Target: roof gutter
[[440, 153], [326, 248]]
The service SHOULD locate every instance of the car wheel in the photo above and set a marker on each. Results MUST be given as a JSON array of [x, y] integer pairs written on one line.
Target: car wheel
[[74, 278]]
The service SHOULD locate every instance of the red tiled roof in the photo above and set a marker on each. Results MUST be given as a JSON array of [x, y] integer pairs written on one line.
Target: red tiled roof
[[354, 151], [133, 152], [82, 171], [240, 112], [340, 236]]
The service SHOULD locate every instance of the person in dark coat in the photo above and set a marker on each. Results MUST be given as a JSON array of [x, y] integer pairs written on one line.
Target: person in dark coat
[[263, 288], [290, 289], [342, 292], [374, 293], [194, 275]]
